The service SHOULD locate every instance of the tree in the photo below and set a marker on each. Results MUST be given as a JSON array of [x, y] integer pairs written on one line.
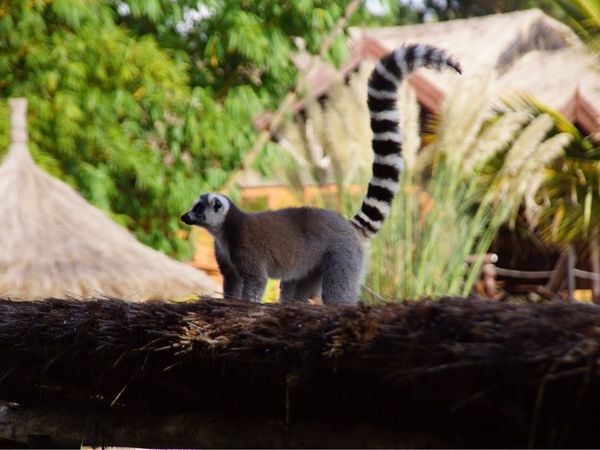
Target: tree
[[104, 109], [240, 55], [139, 105]]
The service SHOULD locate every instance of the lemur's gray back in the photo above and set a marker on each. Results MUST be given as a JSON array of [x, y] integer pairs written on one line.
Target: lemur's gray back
[[389, 72]]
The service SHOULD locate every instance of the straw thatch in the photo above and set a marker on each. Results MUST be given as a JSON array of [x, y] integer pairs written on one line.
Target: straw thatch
[[457, 372], [529, 50], [483, 43], [54, 243], [554, 77]]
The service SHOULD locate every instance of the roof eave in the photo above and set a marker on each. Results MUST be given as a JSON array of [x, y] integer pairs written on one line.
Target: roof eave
[[582, 113]]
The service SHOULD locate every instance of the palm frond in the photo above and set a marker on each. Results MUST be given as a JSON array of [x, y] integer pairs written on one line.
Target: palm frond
[[585, 18], [579, 146]]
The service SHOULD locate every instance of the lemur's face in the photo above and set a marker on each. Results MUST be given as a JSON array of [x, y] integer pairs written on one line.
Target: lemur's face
[[208, 211]]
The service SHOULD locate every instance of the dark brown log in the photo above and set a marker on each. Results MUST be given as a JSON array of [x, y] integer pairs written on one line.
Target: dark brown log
[[460, 372], [57, 427]]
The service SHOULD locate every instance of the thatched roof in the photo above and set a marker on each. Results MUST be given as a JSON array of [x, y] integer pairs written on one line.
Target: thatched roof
[[554, 77], [54, 243], [528, 50], [483, 43]]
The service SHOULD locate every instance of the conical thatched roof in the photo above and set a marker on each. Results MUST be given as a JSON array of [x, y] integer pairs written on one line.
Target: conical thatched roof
[[55, 244]]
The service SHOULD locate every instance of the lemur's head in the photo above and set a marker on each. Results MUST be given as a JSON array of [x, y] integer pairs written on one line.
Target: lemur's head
[[208, 211]]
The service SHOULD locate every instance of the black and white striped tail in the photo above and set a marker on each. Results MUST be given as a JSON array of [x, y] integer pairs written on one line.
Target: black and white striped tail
[[389, 72]]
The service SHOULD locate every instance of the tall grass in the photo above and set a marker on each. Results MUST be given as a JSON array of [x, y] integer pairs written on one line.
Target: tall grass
[[478, 169], [451, 203]]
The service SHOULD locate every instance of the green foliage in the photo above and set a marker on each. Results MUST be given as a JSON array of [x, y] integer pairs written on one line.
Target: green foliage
[[573, 196], [140, 108], [239, 56], [106, 112], [567, 205], [245, 43], [584, 16], [451, 205]]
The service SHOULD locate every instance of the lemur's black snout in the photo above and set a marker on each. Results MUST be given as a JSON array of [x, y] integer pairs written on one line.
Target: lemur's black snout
[[186, 219]]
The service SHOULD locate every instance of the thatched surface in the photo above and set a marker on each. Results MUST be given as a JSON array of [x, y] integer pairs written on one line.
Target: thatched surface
[[478, 371], [543, 75], [489, 42], [529, 50], [55, 244]]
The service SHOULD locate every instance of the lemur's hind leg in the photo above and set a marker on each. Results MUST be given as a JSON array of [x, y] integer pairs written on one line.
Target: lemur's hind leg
[[287, 291], [301, 290], [309, 287], [342, 276]]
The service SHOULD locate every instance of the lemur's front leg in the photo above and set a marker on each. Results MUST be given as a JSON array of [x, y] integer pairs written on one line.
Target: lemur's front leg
[[232, 286], [255, 284], [232, 282]]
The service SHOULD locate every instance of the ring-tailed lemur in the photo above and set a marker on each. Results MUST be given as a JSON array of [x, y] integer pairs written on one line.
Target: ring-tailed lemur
[[314, 251]]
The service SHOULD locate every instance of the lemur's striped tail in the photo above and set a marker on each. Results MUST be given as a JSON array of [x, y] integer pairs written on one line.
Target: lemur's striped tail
[[389, 72]]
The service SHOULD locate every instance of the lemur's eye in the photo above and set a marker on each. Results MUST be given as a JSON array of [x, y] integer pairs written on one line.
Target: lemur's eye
[[217, 205]]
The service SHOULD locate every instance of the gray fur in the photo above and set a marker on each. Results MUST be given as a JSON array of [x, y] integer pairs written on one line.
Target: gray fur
[[387, 140], [301, 290], [314, 251], [304, 247]]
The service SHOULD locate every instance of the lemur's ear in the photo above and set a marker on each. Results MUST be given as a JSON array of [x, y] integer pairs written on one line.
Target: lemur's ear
[[217, 205]]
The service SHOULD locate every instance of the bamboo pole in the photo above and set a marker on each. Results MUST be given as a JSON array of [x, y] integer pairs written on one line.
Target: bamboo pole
[[18, 120]]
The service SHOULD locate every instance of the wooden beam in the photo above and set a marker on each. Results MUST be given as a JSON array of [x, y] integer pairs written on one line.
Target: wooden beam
[[582, 113]]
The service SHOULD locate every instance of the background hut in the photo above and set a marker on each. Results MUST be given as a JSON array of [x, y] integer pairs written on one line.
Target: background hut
[[527, 51], [55, 244]]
